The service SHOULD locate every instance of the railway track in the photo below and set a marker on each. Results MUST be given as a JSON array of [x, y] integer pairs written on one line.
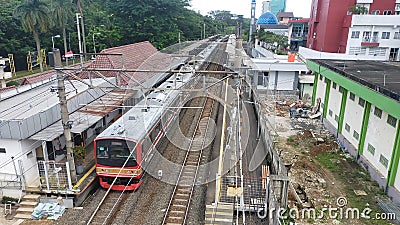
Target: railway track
[[113, 206], [179, 204], [107, 210]]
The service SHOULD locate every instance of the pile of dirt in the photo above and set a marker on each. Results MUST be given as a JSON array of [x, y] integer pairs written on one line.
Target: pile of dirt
[[320, 173]]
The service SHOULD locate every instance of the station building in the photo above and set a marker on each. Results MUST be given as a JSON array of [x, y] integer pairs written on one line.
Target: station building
[[32, 143], [360, 105]]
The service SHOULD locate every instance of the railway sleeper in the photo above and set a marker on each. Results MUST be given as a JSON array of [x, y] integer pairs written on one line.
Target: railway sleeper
[[183, 189], [175, 219]]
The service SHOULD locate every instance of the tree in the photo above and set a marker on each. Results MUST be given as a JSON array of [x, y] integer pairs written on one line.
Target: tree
[[62, 12], [34, 17], [358, 9]]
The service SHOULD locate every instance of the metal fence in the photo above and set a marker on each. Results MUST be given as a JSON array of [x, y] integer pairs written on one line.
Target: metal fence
[[10, 181], [54, 176]]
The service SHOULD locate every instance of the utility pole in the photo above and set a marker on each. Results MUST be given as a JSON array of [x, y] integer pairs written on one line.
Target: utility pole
[[204, 30], [64, 114]]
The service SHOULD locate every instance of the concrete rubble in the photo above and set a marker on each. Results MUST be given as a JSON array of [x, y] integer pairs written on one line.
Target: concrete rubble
[[50, 210]]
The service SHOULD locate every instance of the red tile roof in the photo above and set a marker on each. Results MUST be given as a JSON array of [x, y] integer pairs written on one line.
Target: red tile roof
[[142, 55], [38, 77]]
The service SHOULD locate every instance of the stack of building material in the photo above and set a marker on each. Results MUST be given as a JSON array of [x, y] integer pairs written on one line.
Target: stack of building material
[[50, 210]]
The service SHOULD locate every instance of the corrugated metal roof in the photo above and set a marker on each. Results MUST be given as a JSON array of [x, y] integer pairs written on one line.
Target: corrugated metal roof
[[85, 117], [107, 103], [38, 99], [82, 121]]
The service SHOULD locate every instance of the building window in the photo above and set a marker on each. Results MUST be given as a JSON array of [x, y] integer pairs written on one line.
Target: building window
[[336, 118], [340, 89], [384, 161], [361, 102], [325, 80], [333, 85], [371, 149], [391, 120], [330, 113], [352, 96], [387, 12], [375, 37], [396, 35], [356, 135], [375, 12], [378, 112], [355, 34], [296, 31], [347, 127], [2, 150], [385, 35], [366, 36], [320, 77]]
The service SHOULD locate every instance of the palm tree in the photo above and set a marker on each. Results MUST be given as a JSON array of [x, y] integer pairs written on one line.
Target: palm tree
[[34, 17], [63, 12]]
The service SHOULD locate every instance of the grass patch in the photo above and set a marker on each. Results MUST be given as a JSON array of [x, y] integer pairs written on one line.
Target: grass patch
[[290, 139], [329, 160], [348, 172]]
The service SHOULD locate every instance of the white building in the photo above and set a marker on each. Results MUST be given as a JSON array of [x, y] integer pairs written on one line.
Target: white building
[[360, 104], [375, 35], [276, 74], [34, 111]]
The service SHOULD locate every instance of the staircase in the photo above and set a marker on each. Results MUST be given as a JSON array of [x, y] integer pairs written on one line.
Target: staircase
[[27, 205]]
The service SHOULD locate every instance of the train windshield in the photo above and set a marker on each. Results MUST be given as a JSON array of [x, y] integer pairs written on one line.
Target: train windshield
[[115, 152]]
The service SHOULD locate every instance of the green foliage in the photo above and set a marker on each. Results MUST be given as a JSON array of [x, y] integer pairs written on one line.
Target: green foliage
[[5, 199], [117, 22], [79, 152], [275, 41], [329, 160], [358, 9], [290, 139], [12, 83]]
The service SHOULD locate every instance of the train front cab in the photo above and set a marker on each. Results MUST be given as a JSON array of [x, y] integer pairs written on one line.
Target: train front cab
[[111, 154]]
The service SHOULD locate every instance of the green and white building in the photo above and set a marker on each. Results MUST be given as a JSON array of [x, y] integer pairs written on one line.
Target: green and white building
[[360, 104]]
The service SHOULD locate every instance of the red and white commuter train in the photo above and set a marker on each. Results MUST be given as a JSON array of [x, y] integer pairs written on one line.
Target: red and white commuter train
[[123, 148]]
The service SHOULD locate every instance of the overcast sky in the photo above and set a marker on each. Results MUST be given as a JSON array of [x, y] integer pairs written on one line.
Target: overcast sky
[[300, 8]]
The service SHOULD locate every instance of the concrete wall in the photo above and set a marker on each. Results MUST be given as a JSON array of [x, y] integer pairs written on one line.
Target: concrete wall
[[28, 157], [353, 116], [286, 80], [381, 136], [321, 85], [335, 99], [312, 54], [379, 139], [24, 151], [12, 149]]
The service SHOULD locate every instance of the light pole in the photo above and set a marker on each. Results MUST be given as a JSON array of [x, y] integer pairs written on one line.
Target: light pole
[[52, 38], [78, 17], [94, 44]]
